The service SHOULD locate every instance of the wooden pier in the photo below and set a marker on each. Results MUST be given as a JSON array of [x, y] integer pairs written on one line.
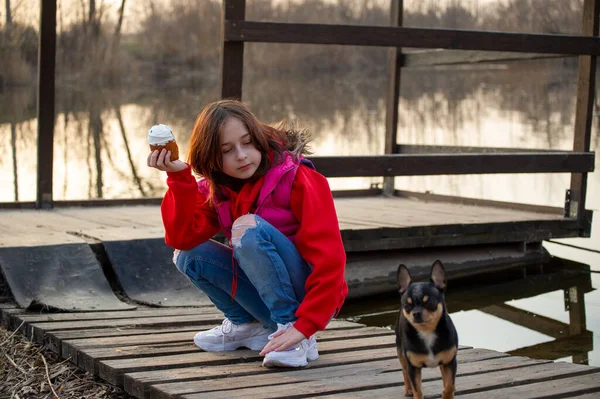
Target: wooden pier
[[379, 225], [134, 316], [149, 353], [125, 245]]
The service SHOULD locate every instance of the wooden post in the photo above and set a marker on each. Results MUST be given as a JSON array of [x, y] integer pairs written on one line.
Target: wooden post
[[583, 111], [231, 71], [577, 321], [393, 95], [13, 145], [45, 103]]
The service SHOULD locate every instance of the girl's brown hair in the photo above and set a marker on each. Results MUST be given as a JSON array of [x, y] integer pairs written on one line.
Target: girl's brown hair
[[204, 153]]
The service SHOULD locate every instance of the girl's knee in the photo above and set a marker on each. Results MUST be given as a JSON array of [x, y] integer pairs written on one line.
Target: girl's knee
[[179, 260], [240, 226]]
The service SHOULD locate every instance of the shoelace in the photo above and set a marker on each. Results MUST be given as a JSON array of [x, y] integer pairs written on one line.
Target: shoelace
[[226, 326], [287, 325]]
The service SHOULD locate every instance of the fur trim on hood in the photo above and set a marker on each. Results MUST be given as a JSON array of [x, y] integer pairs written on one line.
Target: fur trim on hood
[[295, 139]]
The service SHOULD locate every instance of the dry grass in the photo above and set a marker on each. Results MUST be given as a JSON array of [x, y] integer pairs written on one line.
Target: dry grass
[[30, 371]]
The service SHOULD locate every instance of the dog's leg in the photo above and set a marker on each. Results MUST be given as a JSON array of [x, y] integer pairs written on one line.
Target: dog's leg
[[407, 385], [448, 377], [414, 373]]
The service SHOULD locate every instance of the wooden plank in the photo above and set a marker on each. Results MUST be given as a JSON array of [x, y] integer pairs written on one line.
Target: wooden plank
[[44, 222], [494, 380], [45, 104], [123, 217], [553, 388], [271, 378], [145, 345], [113, 370], [563, 387], [453, 164], [184, 336], [89, 357], [126, 314], [369, 192], [583, 111], [431, 380], [460, 57], [410, 223], [454, 149], [139, 384], [456, 234], [429, 197], [272, 32], [580, 394], [386, 213], [36, 331], [113, 332], [54, 340], [8, 315], [71, 346], [266, 380], [231, 66], [393, 93], [88, 349]]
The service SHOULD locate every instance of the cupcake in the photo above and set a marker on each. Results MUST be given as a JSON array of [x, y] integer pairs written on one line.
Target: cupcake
[[161, 136]]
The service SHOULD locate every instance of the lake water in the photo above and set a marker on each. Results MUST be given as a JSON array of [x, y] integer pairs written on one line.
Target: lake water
[[100, 152]]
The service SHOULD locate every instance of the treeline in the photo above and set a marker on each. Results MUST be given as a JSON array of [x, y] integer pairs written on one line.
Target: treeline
[[177, 44]]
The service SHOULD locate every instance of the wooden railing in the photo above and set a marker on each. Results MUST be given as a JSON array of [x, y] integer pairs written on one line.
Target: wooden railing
[[271, 32], [454, 164], [398, 159], [236, 31]]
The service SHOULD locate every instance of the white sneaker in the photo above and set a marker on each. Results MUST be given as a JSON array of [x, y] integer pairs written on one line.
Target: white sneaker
[[296, 356], [229, 336]]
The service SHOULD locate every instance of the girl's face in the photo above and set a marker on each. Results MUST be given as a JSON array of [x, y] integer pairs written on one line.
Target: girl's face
[[240, 157]]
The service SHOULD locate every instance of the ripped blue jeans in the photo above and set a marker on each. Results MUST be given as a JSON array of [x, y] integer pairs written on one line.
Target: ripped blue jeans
[[271, 274]]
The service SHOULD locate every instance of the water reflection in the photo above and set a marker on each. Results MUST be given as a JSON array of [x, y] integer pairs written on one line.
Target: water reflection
[[100, 136], [539, 312]]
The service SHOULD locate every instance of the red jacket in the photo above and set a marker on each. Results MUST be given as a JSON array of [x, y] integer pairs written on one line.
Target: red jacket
[[190, 220]]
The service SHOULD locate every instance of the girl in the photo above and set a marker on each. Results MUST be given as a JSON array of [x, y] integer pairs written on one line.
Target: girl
[[282, 279]]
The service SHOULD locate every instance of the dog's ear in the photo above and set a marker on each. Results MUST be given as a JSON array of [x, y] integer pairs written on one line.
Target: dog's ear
[[438, 275], [403, 278]]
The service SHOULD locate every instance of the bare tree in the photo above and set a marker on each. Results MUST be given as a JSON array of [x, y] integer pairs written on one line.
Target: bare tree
[[120, 21], [92, 10], [94, 19], [8, 14]]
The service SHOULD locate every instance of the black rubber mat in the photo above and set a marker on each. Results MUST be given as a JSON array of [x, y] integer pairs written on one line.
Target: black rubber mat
[[144, 268], [57, 271]]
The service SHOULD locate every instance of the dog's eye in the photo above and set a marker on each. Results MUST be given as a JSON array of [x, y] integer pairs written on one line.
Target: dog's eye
[[431, 304]]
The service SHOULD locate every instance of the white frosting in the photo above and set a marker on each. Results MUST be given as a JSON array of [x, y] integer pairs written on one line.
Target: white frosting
[[160, 135]]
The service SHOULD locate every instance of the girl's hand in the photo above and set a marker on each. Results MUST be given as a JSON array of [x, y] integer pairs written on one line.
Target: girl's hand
[[283, 340], [161, 160]]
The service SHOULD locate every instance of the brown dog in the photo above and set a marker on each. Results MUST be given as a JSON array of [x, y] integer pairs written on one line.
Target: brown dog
[[425, 334]]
